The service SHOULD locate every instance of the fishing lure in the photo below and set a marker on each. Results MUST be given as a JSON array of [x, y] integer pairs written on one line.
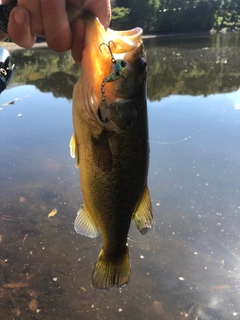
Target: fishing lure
[[119, 65], [117, 71]]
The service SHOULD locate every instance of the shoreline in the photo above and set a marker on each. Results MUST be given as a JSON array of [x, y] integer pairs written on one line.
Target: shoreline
[[10, 46], [172, 35], [192, 34]]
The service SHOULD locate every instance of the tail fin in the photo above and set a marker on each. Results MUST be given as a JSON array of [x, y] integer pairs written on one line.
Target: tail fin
[[107, 274]]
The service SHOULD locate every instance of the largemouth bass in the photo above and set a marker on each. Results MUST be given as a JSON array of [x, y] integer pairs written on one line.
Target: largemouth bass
[[110, 146]]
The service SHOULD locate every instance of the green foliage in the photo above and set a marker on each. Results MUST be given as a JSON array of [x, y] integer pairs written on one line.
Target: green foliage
[[174, 16], [229, 12], [120, 18], [142, 13], [123, 3], [195, 18]]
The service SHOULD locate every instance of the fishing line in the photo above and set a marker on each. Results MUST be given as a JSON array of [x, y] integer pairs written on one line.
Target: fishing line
[[191, 135], [146, 239]]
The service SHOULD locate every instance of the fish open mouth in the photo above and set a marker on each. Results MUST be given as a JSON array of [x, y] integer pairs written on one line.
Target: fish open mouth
[[104, 52]]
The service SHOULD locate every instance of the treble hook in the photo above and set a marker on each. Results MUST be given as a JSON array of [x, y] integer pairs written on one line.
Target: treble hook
[[109, 48]]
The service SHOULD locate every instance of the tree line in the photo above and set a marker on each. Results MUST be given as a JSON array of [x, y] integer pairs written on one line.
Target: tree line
[[212, 67], [175, 16]]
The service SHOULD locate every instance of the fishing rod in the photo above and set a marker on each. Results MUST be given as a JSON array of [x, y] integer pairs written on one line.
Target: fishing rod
[[6, 71]]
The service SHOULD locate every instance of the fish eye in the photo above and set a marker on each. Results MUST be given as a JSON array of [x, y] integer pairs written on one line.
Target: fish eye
[[141, 64], [123, 63]]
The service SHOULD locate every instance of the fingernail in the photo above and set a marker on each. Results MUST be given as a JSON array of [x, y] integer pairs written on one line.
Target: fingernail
[[19, 16]]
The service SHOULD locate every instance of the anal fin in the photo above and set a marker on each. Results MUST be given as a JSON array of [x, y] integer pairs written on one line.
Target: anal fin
[[85, 225], [107, 273], [143, 213]]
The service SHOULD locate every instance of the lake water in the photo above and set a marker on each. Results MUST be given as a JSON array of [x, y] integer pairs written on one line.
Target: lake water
[[189, 265]]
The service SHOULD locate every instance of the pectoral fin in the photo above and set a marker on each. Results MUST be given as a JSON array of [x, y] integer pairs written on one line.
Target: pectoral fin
[[101, 152], [143, 213], [85, 225], [74, 150]]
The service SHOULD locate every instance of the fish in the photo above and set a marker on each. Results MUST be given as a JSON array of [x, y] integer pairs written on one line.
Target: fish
[[110, 146]]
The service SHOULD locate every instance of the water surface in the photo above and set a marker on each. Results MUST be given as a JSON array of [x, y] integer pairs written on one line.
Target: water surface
[[188, 267]]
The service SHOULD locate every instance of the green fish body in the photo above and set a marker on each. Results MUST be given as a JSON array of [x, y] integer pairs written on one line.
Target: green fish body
[[113, 155]]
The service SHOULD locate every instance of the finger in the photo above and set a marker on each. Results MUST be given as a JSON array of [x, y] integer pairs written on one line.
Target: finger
[[56, 26], [78, 29], [34, 9], [101, 9], [19, 28]]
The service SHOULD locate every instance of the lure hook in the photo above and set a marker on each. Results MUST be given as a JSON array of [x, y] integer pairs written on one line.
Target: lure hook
[[109, 49], [104, 113]]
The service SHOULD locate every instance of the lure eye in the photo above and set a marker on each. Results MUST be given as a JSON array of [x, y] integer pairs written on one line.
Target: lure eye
[[123, 63]]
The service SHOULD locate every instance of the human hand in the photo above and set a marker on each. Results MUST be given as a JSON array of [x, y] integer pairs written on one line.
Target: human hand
[[53, 19]]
